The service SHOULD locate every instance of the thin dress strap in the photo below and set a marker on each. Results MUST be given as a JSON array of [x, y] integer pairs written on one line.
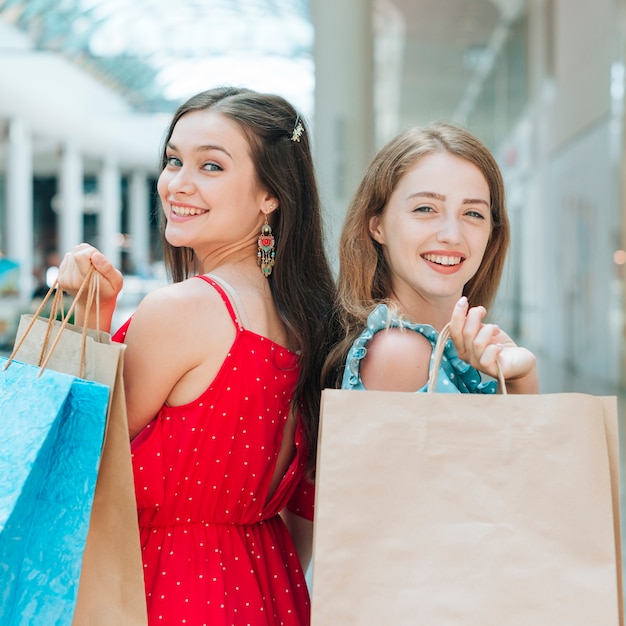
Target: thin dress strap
[[222, 291]]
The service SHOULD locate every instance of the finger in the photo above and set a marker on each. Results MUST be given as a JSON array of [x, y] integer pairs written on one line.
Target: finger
[[74, 267], [473, 324], [486, 335], [457, 322], [475, 316], [66, 262], [83, 254], [489, 358], [69, 272], [101, 263], [516, 362], [106, 269]]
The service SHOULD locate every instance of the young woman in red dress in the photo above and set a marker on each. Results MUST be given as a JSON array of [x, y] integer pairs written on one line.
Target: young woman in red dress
[[222, 367]]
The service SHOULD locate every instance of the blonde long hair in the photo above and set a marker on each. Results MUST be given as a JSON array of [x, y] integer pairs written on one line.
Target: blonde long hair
[[364, 278]]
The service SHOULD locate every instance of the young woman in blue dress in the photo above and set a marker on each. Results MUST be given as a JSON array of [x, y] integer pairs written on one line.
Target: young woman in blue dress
[[423, 244]]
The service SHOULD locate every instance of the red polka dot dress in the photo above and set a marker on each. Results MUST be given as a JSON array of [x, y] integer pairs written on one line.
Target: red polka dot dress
[[215, 551]]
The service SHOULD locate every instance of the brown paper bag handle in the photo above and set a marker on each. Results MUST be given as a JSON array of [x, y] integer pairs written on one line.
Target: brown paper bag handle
[[440, 346], [90, 282]]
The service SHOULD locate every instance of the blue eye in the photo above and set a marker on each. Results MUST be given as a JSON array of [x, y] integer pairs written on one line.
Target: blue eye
[[423, 209], [173, 161], [477, 214], [212, 167]]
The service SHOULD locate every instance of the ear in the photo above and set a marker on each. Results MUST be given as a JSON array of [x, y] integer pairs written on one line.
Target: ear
[[375, 230], [269, 203]]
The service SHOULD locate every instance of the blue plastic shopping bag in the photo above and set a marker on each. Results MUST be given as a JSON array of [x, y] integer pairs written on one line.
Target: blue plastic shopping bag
[[51, 433]]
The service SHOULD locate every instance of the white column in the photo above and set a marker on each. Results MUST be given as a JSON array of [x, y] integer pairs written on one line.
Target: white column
[[139, 206], [19, 206], [110, 215], [344, 104], [71, 198], [389, 51]]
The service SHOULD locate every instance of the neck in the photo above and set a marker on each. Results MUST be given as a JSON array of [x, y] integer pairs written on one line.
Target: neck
[[436, 313], [242, 255]]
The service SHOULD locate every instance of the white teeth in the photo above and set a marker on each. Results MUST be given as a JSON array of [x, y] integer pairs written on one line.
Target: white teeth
[[186, 211], [443, 260]]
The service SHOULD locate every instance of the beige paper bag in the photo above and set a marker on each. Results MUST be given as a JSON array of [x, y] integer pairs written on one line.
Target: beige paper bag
[[467, 510], [111, 590]]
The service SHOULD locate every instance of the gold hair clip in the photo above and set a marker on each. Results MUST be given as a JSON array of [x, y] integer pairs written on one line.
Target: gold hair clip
[[298, 129]]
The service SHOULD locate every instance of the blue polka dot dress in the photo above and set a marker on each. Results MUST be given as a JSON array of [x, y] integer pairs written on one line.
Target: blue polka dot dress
[[455, 375]]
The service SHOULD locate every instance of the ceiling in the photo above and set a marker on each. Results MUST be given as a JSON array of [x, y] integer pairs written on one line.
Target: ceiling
[[450, 45], [156, 53], [440, 39], [146, 56]]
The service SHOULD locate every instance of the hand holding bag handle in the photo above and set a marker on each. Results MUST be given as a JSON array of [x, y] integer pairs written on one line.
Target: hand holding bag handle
[[440, 347], [91, 283]]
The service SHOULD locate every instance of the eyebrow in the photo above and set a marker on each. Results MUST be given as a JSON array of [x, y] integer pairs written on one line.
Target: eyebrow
[[203, 148], [438, 196]]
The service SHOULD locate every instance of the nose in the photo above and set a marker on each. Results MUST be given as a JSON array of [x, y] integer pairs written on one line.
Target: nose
[[179, 181], [450, 231]]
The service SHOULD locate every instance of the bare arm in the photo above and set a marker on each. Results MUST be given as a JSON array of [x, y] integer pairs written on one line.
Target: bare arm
[[396, 360], [301, 531], [175, 346]]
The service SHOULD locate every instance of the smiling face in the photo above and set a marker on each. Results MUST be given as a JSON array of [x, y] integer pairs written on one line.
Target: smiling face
[[209, 190], [434, 230]]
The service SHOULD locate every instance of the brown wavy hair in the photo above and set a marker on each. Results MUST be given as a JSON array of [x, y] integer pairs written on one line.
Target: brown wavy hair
[[364, 279], [301, 281]]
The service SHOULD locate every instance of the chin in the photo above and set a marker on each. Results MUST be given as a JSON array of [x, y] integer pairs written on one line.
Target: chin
[[176, 242]]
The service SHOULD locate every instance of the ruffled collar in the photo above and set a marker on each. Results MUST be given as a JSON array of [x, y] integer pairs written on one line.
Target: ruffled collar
[[456, 371]]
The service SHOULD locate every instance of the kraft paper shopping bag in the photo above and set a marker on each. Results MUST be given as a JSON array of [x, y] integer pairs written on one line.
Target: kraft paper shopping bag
[[465, 510], [111, 587], [52, 428]]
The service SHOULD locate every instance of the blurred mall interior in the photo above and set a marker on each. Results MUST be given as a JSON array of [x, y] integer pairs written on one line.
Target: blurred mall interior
[[87, 87]]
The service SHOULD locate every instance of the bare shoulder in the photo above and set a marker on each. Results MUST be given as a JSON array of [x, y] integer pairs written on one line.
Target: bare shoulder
[[176, 343], [186, 290], [396, 360], [188, 303], [188, 319]]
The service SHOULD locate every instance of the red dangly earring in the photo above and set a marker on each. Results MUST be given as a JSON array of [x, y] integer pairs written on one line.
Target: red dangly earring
[[266, 254]]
